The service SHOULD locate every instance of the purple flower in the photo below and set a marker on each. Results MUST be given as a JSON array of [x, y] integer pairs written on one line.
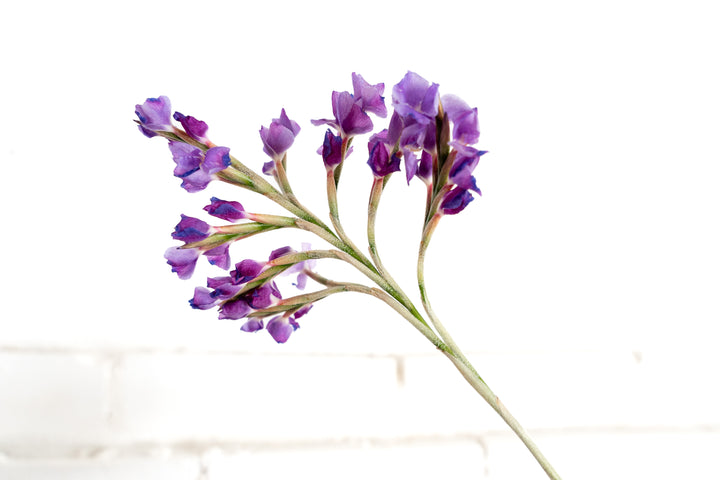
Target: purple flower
[[416, 98], [369, 97], [234, 309], [455, 201], [230, 211], [182, 260], [195, 128], [252, 325], [262, 296], [195, 168], [203, 299], [350, 119], [245, 271], [219, 256], [331, 149], [154, 116], [191, 229], [463, 166], [281, 327], [279, 252], [381, 161], [464, 119], [279, 136]]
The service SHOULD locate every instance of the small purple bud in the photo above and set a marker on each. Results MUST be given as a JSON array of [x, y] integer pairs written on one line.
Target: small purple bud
[[182, 260], [154, 116], [455, 201], [331, 149], [279, 252], [227, 210], [279, 136], [381, 162], [195, 128], [191, 229]]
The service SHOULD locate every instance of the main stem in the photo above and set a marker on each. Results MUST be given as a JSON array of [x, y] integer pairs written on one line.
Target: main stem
[[465, 367]]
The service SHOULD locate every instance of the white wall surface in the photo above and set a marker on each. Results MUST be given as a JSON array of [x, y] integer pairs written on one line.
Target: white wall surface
[[583, 284]]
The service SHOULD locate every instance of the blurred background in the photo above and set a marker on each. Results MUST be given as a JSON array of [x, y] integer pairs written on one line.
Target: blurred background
[[583, 284]]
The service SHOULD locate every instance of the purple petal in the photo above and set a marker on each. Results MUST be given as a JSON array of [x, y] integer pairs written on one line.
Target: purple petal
[[191, 229], [186, 157], [252, 325], [154, 115], [331, 149], [245, 271], [182, 260], [455, 201], [280, 329], [227, 210], [219, 256], [193, 127], [464, 118], [234, 310], [380, 161], [349, 116], [279, 252], [203, 299], [369, 97], [279, 136], [216, 159]]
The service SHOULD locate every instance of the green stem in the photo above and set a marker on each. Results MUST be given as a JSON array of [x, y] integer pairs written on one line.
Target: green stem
[[463, 364], [437, 324], [487, 394]]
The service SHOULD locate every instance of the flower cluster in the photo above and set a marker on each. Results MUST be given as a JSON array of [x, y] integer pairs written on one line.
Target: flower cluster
[[432, 136]]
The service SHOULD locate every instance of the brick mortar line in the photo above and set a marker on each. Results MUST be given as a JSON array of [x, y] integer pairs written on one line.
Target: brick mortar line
[[139, 350], [109, 451], [198, 448]]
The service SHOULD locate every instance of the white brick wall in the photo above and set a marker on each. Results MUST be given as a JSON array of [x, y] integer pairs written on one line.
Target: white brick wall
[[215, 415], [584, 284]]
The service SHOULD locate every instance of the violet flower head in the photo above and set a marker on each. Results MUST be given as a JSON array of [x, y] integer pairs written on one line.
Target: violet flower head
[[350, 119], [416, 98], [382, 162], [331, 149], [455, 201], [203, 299], [182, 260], [466, 160], [227, 210], [196, 169], [219, 256], [154, 116], [279, 136], [196, 129], [252, 325], [464, 119], [369, 97], [191, 229], [245, 271]]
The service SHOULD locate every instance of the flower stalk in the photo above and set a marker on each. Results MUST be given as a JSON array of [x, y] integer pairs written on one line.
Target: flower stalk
[[432, 136]]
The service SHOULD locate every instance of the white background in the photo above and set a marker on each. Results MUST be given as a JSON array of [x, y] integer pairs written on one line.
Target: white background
[[597, 230]]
